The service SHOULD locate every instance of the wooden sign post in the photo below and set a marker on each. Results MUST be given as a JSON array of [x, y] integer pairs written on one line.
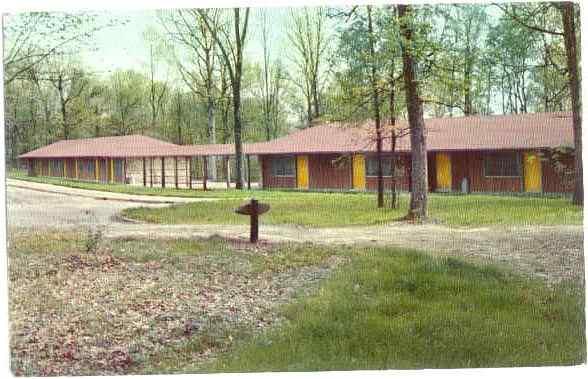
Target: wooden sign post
[[253, 209]]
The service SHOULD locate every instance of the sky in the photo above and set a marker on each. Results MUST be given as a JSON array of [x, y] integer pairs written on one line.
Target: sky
[[124, 46]]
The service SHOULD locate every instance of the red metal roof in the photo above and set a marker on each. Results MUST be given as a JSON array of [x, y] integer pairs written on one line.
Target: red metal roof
[[115, 147], [523, 131]]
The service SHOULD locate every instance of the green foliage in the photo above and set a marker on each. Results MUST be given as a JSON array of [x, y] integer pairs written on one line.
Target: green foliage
[[393, 309]]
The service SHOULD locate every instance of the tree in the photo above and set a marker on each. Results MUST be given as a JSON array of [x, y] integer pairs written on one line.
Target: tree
[[569, 25], [271, 83], [70, 82], [196, 60], [127, 97], [231, 46], [310, 42], [33, 38], [533, 17], [157, 90], [418, 194]]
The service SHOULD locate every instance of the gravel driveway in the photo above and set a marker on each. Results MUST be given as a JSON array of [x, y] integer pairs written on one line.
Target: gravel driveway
[[552, 253], [35, 209]]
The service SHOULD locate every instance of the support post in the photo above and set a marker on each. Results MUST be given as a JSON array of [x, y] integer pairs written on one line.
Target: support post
[[248, 173], [144, 172], [186, 171], [111, 170], [65, 168], [162, 172], [76, 168], [125, 171], [97, 169], [205, 172], [176, 170], [228, 171], [190, 173], [254, 233], [151, 172]]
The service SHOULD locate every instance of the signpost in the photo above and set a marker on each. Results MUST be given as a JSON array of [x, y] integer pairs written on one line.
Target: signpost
[[253, 209]]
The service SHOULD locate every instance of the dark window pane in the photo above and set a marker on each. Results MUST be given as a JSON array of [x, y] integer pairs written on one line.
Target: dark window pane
[[372, 167], [284, 166], [502, 164]]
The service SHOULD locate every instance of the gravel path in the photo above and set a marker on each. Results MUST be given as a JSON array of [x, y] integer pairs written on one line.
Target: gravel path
[[553, 253]]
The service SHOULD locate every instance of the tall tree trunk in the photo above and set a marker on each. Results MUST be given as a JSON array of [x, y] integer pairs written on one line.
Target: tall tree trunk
[[237, 133], [63, 108], [418, 195], [315, 99], [376, 110], [567, 12], [393, 139], [211, 131]]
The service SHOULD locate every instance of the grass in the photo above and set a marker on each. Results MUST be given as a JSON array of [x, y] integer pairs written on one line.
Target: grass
[[81, 304], [324, 209], [331, 210], [392, 309], [112, 306]]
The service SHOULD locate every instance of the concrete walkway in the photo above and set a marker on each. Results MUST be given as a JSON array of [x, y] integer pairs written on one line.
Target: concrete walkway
[[102, 195]]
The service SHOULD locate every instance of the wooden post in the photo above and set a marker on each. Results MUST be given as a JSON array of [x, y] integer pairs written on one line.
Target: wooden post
[[162, 172], [176, 170], [111, 170], [228, 172], [124, 181], [96, 169], [144, 172], [151, 172], [76, 168], [187, 173], [248, 173], [190, 173], [254, 233], [253, 209], [204, 172]]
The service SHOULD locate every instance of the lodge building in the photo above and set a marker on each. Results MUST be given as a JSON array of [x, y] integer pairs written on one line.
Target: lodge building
[[507, 153]]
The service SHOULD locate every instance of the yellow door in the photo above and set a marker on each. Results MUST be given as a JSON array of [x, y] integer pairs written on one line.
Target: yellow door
[[358, 164], [532, 172], [443, 165], [302, 171]]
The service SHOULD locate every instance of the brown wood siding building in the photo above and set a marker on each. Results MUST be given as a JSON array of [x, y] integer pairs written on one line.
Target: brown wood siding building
[[329, 171], [332, 171]]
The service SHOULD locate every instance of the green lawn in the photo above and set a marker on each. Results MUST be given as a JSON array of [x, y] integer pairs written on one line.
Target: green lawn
[[329, 210], [318, 209], [130, 302], [393, 309]]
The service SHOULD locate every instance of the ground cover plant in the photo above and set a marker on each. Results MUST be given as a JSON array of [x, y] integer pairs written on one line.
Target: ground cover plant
[[332, 209], [83, 304], [323, 209], [405, 310]]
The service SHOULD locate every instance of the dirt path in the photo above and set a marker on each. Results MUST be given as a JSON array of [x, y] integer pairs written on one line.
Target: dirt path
[[553, 253]]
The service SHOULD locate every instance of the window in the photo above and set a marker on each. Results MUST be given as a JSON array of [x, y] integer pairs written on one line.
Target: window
[[56, 167], [502, 165], [284, 166], [118, 168], [372, 167]]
